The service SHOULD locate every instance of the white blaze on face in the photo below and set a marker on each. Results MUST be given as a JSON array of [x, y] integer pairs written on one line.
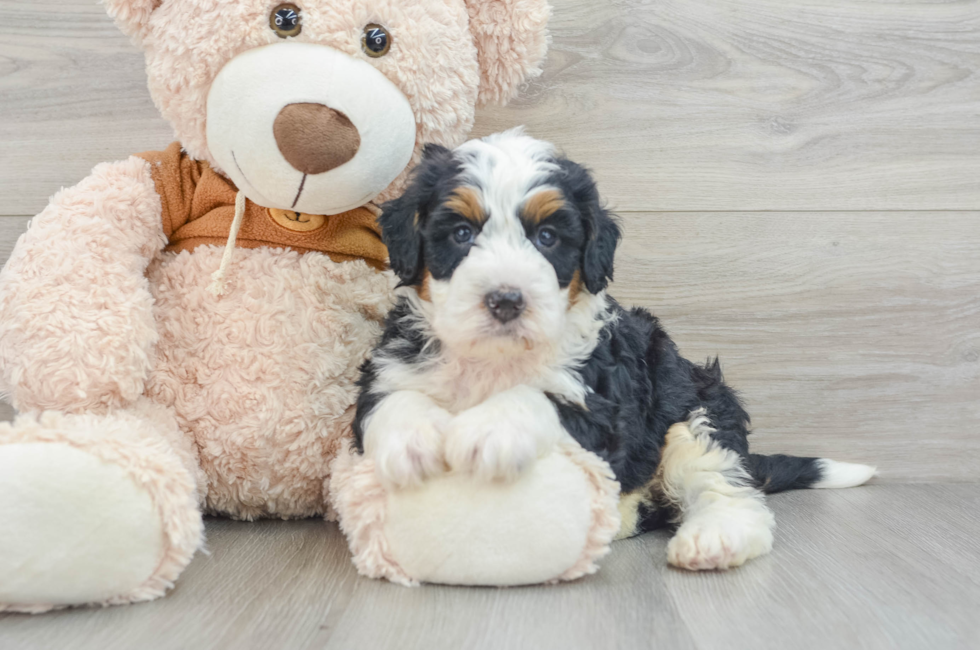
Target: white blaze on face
[[506, 169], [247, 96]]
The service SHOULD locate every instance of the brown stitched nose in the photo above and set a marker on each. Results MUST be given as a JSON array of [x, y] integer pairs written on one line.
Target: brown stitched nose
[[315, 138]]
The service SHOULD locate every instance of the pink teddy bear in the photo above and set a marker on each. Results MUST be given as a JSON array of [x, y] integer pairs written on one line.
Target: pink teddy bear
[[181, 331]]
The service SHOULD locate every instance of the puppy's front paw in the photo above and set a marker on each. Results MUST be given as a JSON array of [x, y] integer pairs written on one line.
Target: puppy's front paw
[[489, 450], [411, 452], [501, 437], [720, 542]]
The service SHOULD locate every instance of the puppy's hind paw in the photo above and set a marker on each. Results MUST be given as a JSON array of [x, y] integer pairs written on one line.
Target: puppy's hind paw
[[705, 543]]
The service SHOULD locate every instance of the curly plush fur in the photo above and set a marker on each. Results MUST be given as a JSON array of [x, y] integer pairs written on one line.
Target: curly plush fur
[[123, 362], [451, 56]]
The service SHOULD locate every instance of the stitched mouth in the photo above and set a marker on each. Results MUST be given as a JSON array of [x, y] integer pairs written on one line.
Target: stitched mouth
[[244, 177], [298, 193]]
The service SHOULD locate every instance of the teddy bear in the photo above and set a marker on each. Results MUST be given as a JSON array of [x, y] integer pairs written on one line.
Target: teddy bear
[[181, 331]]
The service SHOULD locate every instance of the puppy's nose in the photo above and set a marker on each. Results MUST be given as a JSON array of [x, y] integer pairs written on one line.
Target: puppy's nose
[[314, 138], [505, 305]]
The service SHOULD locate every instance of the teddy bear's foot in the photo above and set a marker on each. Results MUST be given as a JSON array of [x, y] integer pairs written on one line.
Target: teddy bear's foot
[[93, 510], [553, 523]]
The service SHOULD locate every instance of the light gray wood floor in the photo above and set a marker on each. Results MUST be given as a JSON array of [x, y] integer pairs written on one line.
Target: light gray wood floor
[[882, 566], [799, 184]]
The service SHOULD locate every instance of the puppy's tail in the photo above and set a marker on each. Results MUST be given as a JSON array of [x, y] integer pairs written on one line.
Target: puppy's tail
[[779, 472]]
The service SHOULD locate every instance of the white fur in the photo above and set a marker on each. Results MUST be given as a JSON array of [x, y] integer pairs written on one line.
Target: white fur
[[506, 166], [501, 437], [499, 260], [404, 436], [725, 521], [478, 356], [76, 529], [835, 474], [250, 90], [454, 530]]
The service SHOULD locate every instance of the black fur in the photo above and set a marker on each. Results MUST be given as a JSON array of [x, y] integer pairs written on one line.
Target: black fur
[[639, 384], [400, 340], [566, 255], [602, 234], [404, 219], [780, 472], [417, 227]]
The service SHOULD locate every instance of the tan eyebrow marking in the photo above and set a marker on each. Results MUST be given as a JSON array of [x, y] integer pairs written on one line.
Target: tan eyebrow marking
[[423, 288], [465, 202], [575, 288], [542, 205]]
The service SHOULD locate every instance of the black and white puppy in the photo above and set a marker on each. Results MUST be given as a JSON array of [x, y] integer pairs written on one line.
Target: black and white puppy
[[506, 341]]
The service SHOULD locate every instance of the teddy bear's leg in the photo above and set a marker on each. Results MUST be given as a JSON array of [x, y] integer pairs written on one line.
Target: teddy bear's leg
[[95, 508]]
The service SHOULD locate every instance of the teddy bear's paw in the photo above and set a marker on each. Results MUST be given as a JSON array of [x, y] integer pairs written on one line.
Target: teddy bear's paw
[[488, 449], [410, 453], [721, 540], [76, 529]]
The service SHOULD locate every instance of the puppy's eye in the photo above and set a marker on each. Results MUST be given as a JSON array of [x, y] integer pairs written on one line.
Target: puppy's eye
[[376, 41], [284, 20], [463, 235], [547, 237]]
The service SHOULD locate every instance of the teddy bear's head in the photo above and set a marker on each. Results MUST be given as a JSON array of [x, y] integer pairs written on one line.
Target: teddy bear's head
[[320, 106]]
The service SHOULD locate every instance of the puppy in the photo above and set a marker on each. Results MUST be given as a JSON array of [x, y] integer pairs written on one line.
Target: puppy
[[505, 342]]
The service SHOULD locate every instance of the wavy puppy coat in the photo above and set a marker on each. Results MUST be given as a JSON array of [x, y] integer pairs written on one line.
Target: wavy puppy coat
[[505, 342]]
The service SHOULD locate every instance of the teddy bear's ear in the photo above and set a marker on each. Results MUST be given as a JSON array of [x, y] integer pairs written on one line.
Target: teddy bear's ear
[[511, 39], [131, 16]]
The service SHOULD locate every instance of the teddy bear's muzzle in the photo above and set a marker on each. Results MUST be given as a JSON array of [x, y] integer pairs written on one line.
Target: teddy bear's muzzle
[[315, 138], [308, 128]]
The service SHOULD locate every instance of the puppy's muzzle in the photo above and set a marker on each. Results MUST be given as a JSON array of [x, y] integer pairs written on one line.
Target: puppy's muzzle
[[505, 305]]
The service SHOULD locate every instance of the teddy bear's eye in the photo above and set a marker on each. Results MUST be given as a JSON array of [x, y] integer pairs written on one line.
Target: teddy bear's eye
[[284, 20], [376, 41]]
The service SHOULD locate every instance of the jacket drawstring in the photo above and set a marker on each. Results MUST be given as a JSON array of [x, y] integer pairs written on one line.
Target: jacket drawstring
[[219, 279]]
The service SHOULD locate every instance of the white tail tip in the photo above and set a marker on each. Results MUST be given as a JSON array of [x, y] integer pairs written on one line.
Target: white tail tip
[[835, 474]]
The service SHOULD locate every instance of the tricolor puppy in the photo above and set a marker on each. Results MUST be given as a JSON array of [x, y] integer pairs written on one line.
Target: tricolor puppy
[[505, 342]]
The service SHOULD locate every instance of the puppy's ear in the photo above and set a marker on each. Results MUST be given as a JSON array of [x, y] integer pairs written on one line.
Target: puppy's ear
[[402, 219], [602, 233], [600, 251]]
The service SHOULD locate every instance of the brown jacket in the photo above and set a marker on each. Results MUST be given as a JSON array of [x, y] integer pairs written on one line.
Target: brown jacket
[[199, 206]]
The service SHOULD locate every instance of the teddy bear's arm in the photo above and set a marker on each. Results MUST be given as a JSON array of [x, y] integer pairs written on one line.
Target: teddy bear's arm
[[76, 322]]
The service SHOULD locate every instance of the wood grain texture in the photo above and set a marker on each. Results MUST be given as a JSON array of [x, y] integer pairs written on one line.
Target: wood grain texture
[[883, 566], [850, 335], [10, 229], [677, 104], [72, 95], [764, 104]]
